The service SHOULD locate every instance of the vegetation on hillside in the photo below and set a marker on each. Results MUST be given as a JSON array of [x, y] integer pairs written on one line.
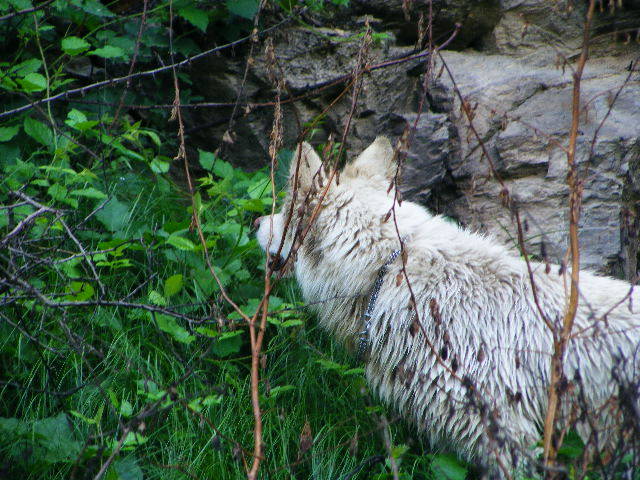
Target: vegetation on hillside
[[119, 358]]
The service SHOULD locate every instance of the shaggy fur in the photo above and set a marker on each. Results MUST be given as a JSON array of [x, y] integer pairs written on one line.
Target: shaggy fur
[[479, 379]]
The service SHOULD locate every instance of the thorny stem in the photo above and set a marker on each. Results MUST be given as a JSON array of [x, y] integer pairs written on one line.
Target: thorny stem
[[575, 197]]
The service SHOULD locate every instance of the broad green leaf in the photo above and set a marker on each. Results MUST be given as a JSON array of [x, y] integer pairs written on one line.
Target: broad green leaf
[[74, 45], [40, 132], [155, 138], [159, 166], [33, 82], [223, 169], [572, 447], [7, 133], [57, 439], [207, 159], [181, 243], [208, 332], [125, 469], [108, 51], [134, 439], [125, 408], [57, 192], [169, 325], [227, 344], [172, 285], [397, 451], [253, 205], [114, 215], [93, 7], [74, 116], [243, 8], [79, 291], [448, 467], [89, 192], [195, 16], [28, 66]]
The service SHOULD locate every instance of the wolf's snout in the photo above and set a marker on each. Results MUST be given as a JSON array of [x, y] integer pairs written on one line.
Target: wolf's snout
[[257, 221]]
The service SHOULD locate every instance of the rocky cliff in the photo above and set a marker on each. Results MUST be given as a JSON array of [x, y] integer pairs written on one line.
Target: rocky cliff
[[512, 62]]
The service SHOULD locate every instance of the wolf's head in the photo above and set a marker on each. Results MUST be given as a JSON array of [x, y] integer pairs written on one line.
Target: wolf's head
[[330, 220]]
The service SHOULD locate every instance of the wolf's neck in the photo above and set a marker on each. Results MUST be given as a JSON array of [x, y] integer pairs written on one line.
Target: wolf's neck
[[338, 285]]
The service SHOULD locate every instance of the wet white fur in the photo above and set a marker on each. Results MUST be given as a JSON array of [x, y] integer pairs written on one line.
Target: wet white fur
[[490, 323]]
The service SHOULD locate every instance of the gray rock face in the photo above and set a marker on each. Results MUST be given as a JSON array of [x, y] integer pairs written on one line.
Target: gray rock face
[[518, 81], [523, 117]]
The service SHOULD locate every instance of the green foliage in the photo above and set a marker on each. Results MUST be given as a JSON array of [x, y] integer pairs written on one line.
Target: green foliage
[[115, 340]]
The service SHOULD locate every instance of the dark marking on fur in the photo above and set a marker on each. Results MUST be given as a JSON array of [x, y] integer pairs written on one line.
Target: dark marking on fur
[[444, 352], [311, 246], [414, 328], [454, 364], [355, 245], [480, 355], [435, 311]]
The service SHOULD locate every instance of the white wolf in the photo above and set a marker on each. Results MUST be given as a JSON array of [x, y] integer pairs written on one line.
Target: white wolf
[[469, 362]]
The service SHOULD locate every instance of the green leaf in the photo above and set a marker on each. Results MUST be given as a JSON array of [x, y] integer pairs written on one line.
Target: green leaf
[[397, 451], [133, 439], [57, 192], [125, 408], [195, 16], [78, 120], [228, 343], [26, 67], [93, 7], [38, 131], [7, 133], [125, 469], [157, 299], [169, 325], [448, 467], [33, 82], [74, 45], [243, 8], [79, 292], [223, 169], [155, 138], [181, 243], [74, 117], [207, 159], [159, 166], [114, 215], [572, 447], [57, 438], [291, 323], [331, 365], [108, 51], [275, 391], [89, 192], [172, 285]]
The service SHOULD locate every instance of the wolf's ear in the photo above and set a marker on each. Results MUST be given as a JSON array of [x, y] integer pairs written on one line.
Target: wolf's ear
[[376, 160], [305, 165]]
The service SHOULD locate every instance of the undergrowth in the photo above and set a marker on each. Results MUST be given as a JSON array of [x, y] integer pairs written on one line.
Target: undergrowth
[[119, 358]]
